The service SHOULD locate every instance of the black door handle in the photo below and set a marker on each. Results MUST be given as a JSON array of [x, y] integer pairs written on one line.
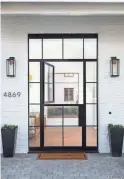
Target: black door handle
[[81, 115]]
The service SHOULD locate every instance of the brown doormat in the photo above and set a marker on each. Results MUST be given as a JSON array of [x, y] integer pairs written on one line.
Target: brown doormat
[[62, 156]]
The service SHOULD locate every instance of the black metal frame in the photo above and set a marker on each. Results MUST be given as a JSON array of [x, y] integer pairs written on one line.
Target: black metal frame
[[82, 107]]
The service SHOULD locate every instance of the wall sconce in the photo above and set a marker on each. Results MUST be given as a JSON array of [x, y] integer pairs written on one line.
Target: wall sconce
[[114, 66], [11, 67]]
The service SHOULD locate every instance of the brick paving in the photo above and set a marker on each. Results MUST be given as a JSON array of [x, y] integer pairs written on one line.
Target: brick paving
[[98, 166]]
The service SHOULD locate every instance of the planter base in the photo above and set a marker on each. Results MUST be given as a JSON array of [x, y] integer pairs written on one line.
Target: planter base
[[9, 141], [8, 155], [116, 141], [116, 155]]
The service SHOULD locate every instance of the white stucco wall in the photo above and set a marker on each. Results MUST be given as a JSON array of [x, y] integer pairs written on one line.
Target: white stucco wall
[[111, 90]]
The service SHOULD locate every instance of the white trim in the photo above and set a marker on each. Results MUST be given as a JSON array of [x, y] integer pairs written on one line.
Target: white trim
[[61, 8], [95, 1]]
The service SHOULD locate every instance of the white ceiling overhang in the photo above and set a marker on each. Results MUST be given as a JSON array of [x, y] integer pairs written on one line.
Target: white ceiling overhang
[[62, 8]]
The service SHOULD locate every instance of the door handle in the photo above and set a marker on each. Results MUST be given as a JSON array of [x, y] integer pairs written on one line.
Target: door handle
[[81, 115]]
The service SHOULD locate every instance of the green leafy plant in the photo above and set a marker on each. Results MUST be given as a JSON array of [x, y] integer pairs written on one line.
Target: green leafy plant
[[9, 126], [57, 111], [111, 126]]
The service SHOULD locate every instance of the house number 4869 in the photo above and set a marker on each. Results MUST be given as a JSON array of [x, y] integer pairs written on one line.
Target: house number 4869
[[12, 94]]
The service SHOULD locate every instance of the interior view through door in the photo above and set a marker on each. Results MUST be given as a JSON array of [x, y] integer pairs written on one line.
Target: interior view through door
[[63, 99], [63, 95]]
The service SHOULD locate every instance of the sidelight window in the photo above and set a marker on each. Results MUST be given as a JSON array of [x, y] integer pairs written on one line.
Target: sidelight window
[[49, 83]]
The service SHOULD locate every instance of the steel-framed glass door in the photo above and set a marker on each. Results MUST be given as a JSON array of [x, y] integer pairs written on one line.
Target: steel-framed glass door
[[63, 92], [63, 116]]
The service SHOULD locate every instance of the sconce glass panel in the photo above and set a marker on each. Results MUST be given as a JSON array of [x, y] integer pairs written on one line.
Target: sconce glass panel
[[114, 67], [11, 67]]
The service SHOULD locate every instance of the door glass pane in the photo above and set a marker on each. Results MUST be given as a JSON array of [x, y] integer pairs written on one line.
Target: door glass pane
[[34, 115], [34, 72], [72, 136], [53, 136], [91, 133], [68, 75], [46, 92], [90, 48], [71, 114], [50, 92], [91, 71], [34, 93], [91, 117], [51, 74], [53, 115], [52, 48], [35, 49], [46, 73], [73, 48], [34, 136], [91, 92]]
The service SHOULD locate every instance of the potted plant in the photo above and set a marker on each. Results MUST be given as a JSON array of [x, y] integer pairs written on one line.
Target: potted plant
[[116, 133], [9, 134]]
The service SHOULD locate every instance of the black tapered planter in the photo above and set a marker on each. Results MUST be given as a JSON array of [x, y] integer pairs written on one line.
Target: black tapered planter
[[116, 141], [9, 141]]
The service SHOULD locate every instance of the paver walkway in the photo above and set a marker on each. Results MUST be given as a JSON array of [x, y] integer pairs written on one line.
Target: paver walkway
[[25, 166]]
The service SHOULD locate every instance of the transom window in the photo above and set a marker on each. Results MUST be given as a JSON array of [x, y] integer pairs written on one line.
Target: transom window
[[63, 48]]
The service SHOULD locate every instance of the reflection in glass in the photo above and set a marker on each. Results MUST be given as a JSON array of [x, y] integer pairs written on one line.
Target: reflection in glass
[[72, 136], [52, 48], [90, 48], [34, 72], [34, 136], [34, 93], [91, 133], [52, 136], [35, 49], [73, 48]]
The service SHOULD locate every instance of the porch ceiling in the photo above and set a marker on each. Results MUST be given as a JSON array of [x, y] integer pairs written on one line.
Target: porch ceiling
[[62, 8]]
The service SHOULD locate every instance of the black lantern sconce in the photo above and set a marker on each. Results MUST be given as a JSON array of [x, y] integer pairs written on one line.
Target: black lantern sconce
[[11, 67], [114, 67]]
